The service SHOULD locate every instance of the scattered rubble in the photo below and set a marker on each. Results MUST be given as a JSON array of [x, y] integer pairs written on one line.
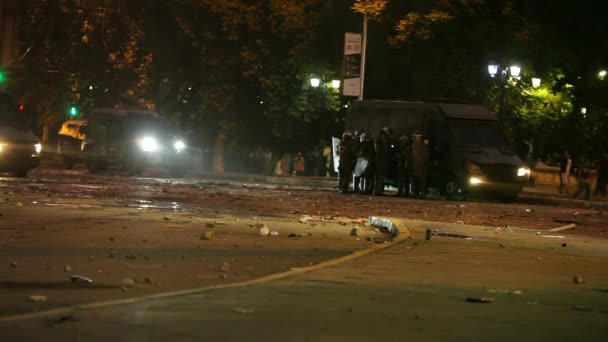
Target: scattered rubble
[[243, 311], [480, 299], [263, 230], [80, 279], [577, 279], [225, 266], [209, 235], [128, 281], [356, 231], [67, 268], [37, 298]]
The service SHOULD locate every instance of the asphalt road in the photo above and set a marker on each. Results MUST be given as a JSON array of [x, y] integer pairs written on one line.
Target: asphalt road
[[142, 236]]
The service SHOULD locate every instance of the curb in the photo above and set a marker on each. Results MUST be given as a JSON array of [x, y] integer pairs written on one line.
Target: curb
[[401, 233]]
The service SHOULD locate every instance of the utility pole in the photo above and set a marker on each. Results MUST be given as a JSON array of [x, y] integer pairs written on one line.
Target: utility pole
[[363, 52]]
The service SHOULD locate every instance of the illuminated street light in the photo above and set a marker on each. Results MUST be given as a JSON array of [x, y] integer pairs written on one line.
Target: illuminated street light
[[515, 70], [602, 74], [335, 84], [315, 82], [536, 82], [492, 69]]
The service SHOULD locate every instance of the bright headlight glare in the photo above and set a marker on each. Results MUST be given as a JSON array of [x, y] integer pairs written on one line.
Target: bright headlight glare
[[1, 147], [475, 180], [148, 144], [179, 145], [38, 148], [523, 171]]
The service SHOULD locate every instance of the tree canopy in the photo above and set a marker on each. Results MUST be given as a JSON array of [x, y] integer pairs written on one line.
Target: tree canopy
[[244, 67]]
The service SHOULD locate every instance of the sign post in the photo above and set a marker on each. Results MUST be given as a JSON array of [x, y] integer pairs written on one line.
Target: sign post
[[352, 65]]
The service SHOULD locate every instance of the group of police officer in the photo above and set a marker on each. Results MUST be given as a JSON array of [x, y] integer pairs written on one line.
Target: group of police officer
[[369, 159]]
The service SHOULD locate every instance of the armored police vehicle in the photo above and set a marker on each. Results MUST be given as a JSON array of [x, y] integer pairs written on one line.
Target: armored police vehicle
[[469, 151]]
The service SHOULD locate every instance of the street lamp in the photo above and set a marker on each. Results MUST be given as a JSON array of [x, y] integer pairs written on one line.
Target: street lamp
[[512, 71], [536, 82], [335, 84], [315, 82], [602, 74]]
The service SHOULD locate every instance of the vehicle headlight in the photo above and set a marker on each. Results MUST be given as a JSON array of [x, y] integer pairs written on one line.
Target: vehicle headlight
[[38, 148], [475, 180], [1, 147], [179, 145], [148, 144], [523, 171]]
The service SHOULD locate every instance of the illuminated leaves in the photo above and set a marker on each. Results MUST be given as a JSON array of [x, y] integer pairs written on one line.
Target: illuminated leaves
[[373, 8], [419, 26]]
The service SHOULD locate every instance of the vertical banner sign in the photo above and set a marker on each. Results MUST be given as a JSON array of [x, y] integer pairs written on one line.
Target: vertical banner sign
[[352, 64]]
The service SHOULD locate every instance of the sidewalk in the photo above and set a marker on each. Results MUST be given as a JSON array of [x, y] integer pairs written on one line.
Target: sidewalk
[[507, 285]]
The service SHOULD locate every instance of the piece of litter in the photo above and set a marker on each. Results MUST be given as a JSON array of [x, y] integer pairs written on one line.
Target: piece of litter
[[37, 298], [208, 235], [480, 299], [274, 233], [80, 279], [243, 311], [581, 308]]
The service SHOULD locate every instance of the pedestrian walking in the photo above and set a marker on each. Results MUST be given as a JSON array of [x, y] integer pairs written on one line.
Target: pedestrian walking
[[299, 165], [327, 156], [602, 176], [565, 166], [582, 181]]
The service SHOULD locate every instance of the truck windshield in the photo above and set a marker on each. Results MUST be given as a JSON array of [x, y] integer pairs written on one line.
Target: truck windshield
[[478, 133]]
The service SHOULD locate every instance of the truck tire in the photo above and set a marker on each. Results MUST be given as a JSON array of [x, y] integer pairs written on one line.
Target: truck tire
[[452, 190]]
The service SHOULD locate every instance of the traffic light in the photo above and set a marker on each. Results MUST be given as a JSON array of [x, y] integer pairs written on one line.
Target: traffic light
[[1, 75], [73, 111]]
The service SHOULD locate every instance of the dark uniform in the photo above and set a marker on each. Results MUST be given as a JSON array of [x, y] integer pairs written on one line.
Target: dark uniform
[[357, 139], [366, 151], [403, 154], [419, 165], [382, 153], [347, 150]]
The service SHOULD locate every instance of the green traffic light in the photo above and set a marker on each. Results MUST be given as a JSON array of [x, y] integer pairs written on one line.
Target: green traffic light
[[73, 111], [1, 76]]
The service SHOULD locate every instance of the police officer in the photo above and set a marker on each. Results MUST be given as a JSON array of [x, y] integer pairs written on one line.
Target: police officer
[[382, 157], [366, 152], [347, 150], [403, 154], [358, 137], [419, 163]]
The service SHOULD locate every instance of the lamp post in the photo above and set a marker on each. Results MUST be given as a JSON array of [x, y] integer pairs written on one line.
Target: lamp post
[[505, 73]]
